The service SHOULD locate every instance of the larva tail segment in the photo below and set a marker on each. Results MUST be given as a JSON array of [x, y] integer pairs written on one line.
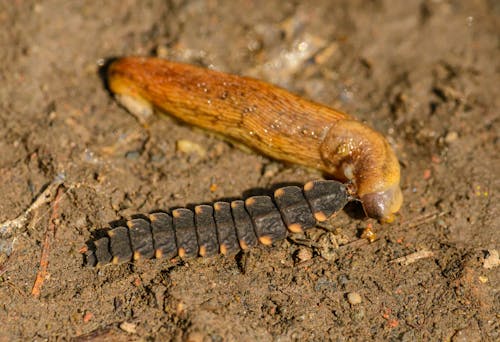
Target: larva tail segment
[[222, 227], [98, 253]]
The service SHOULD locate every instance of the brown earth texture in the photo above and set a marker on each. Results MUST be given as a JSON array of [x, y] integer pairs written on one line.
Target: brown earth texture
[[425, 73]]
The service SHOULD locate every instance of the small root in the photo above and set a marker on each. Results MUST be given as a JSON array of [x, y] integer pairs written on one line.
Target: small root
[[411, 258], [49, 236]]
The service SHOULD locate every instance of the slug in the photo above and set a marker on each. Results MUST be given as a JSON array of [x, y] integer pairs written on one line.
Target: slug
[[222, 227], [268, 119]]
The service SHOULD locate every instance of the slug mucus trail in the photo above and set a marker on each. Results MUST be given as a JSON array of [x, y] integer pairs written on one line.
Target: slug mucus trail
[[222, 227], [268, 119]]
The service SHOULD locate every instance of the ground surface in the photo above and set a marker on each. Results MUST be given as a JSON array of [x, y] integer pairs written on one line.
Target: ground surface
[[424, 73]]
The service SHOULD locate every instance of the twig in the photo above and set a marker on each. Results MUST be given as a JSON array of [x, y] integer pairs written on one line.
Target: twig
[[7, 226], [417, 221], [6, 263], [411, 258], [49, 235], [357, 243], [303, 242]]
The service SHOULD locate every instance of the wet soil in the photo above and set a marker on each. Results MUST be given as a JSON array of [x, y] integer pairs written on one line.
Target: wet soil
[[424, 73]]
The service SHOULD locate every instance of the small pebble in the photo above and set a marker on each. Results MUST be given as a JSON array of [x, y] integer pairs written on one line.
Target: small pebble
[[368, 233], [304, 254], [323, 283], [162, 51], [451, 137], [195, 337], [270, 170], [190, 147], [328, 246], [469, 334], [483, 279], [87, 317], [492, 260], [181, 307], [343, 279], [435, 159], [358, 314], [326, 54], [128, 327], [354, 298], [132, 155], [427, 174]]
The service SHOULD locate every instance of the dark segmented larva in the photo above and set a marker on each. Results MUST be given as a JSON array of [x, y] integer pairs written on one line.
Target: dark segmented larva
[[222, 227]]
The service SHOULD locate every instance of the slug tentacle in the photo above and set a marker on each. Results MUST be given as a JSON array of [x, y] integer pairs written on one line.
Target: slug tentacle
[[268, 119]]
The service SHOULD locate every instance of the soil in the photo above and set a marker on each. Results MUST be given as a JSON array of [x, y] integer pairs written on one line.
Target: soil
[[424, 73]]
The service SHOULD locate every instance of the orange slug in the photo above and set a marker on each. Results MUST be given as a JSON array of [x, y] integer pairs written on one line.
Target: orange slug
[[266, 118]]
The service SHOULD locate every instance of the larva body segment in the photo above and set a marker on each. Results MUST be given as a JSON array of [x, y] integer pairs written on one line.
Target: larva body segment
[[185, 233], [266, 219], [267, 118], [207, 237], [141, 239], [163, 233], [120, 245], [223, 227], [294, 208], [226, 231], [243, 225]]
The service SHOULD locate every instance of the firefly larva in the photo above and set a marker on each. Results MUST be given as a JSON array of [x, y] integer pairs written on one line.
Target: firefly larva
[[269, 119], [222, 227]]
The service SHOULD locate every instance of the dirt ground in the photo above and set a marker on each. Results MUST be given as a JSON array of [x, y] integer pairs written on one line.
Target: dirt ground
[[424, 73]]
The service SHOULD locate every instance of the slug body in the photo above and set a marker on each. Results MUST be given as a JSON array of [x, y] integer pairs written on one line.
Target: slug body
[[269, 119]]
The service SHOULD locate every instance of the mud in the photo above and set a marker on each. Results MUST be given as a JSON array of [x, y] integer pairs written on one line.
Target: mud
[[424, 73]]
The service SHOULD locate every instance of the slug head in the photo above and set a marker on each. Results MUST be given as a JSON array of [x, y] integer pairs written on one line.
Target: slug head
[[383, 205], [356, 153]]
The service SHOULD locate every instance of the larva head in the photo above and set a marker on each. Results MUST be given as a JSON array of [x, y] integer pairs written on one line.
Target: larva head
[[354, 152]]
